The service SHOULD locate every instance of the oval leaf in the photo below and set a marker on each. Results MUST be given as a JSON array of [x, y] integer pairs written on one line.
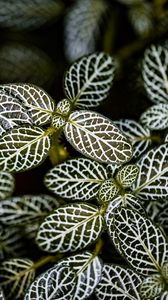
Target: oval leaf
[[56, 283], [25, 63], [26, 209], [88, 268], [88, 81], [155, 73], [156, 117], [28, 14], [96, 137], [108, 190], [139, 136], [7, 184], [127, 175], [35, 100], [23, 148], [143, 243], [76, 179], [151, 287], [15, 277], [118, 283], [152, 180], [82, 27], [70, 228]]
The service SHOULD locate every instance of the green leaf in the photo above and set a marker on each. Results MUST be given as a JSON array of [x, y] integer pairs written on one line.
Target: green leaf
[[76, 179], [88, 81], [82, 27], [152, 180], [23, 148], [70, 228], [118, 283], [12, 243], [35, 100], [7, 184], [127, 200], [143, 243], [139, 136], [96, 137], [127, 175], [88, 268], [56, 283], [25, 63], [156, 117], [151, 287], [108, 190], [162, 213], [16, 274], [12, 114], [28, 14], [155, 73], [26, 209]]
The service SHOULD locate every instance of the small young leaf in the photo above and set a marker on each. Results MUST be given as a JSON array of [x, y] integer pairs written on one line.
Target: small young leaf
[[138, 135], [70, 228], [76, 179], [152, 180], [155, 73], [12, 113], [88, 268], [26, 209], [96, 137], [23, 148], [108, 190], [35, 100], [127, 175], [82, 27], [56, 283], [118, 283], [151, 287], [143, 243], [156, 117], [7, 184], [25, 14], [89, 80], [16, 274]]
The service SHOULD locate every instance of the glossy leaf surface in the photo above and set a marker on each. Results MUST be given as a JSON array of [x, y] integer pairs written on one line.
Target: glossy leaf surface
[[26, 209], [138, 135], [89, 80], [7, 184], [156, 117], [152, 180], [88, 268], [70, 228], [118, 283], [31, 14], [76, 179], [155, 73], [56, 283], [82, 27], [143, 243], [23, 148], [15, 276], [35, 100], [96, 137]]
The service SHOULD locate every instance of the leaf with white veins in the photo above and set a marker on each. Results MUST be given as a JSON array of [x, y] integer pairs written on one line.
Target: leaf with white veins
[[156, 117]]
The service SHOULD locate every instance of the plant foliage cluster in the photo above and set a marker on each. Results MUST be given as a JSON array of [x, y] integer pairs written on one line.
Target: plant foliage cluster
[[113, 191]]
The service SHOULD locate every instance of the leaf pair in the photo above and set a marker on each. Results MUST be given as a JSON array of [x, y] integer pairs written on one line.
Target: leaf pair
[[86, 84]]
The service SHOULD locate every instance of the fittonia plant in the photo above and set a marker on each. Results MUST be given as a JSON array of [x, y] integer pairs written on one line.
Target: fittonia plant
[[107, 193]]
